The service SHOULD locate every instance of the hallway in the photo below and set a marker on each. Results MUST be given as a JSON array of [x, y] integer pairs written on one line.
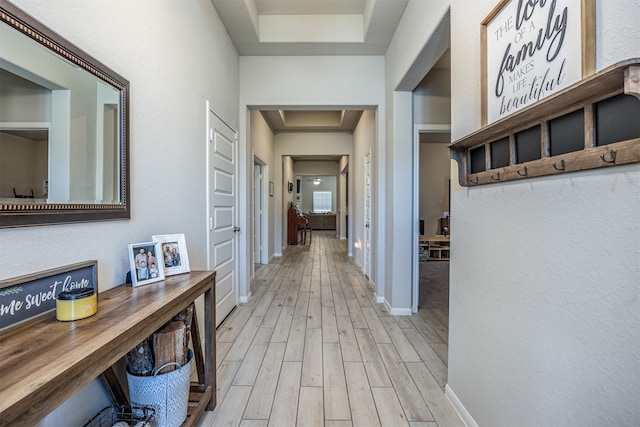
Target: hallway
[[312, 348]]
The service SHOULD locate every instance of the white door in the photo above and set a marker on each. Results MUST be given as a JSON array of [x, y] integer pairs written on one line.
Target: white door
[[222, 211], [257, 213], [367, 214]]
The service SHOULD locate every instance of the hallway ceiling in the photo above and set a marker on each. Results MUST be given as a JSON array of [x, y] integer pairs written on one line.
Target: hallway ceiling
[[312, 120], [310, 27]]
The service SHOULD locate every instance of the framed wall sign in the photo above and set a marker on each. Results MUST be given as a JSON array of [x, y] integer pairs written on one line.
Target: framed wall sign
[[28, 297], [532, 49]]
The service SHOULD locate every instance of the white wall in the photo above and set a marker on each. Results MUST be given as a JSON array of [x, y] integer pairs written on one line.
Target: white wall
[[545, 277], [261, 140], [419, 41], [169, 87], [364, 138], [432, 98]]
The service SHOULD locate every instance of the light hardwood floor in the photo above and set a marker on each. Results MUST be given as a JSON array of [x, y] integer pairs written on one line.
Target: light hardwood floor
[[313, 348]]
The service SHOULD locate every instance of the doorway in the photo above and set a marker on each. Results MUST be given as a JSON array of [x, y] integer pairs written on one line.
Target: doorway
[[432, 171], [260, 213]]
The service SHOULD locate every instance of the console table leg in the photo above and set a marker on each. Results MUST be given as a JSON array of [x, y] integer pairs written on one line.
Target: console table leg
[[210, 344]]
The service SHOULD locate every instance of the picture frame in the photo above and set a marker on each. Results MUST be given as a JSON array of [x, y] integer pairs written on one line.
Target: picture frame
[[290, 186], [271, 188], [174, 253], [144, 263], [533, 51]]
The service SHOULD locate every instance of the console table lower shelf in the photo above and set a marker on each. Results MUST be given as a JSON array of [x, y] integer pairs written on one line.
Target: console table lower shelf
[[44, 363]]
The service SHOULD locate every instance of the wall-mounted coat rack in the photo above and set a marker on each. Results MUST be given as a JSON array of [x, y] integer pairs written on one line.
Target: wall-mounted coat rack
[[592, 124]]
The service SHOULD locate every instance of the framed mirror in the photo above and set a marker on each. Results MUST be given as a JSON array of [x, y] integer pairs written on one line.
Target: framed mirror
[[64, 129]]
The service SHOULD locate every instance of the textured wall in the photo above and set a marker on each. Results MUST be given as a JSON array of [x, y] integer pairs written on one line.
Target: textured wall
[[545, 297], [146, 42]]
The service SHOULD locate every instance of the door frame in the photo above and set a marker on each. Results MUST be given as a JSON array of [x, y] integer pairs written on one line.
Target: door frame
[[366, 258], [415, 281], [264, 224]]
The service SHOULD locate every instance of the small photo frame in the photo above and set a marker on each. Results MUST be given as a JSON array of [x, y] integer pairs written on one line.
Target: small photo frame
[[290, 186], [174, 253], [146, 263]]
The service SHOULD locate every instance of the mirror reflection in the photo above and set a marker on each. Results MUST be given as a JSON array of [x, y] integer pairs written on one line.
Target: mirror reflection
[[63, 128], [55, 114]]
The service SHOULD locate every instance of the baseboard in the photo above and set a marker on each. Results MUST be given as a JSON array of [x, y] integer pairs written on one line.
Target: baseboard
[[399, 311], [459, 407], [244, 300], [279, 255], [393, 311]]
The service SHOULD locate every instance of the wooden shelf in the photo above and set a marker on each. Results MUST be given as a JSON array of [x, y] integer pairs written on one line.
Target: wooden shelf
[[45, 362], [621, 78], [436, 247]]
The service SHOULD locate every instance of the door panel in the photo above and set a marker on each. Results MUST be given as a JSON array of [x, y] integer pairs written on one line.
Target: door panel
[[223, 241]]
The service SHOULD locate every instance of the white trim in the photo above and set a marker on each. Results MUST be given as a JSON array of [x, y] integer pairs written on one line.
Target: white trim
[[459, 407], [278, 254], [400, 311], [244, 300], [366, 236], [415, 279], [264, 249], [394, 311]]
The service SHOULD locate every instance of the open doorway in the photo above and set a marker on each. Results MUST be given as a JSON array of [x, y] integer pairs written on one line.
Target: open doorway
[[432, 166], [259, 224]]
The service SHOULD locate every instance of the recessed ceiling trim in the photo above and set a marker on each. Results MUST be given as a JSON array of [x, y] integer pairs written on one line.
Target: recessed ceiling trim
[[311, 28]]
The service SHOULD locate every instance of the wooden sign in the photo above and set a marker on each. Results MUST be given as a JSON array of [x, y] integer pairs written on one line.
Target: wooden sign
[[24, 298], [532, 49]]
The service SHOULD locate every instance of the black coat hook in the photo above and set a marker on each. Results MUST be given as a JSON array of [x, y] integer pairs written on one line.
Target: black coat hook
[[562, 167], [525, 173], [612, 153]]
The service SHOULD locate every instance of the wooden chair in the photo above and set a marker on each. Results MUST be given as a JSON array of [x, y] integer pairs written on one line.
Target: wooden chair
[[303, 229]]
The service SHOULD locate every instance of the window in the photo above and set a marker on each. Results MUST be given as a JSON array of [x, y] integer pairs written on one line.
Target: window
[[322, 201]]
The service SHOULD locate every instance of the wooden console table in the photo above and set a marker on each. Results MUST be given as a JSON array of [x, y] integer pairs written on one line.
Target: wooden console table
[[44, 363]]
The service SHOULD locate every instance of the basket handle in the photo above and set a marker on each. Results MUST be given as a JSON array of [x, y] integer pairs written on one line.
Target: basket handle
[[164, 366]]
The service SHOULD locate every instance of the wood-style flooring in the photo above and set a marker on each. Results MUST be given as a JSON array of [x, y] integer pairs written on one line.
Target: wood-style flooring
[[313, 348]]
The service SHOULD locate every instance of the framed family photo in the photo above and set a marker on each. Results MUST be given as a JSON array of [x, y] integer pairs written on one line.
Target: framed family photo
[[145, 260], [174, 253]]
